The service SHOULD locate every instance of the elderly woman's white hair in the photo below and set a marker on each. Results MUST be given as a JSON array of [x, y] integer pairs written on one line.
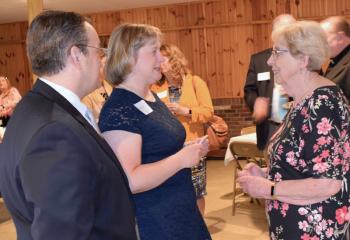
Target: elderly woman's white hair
[[304, 38]]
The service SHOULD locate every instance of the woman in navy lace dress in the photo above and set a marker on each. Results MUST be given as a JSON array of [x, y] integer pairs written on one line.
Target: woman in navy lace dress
[[149, 140], [307, 182]]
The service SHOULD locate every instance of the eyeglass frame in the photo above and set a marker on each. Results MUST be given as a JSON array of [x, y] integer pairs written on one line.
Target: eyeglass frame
[[276, 52], [104, 50]]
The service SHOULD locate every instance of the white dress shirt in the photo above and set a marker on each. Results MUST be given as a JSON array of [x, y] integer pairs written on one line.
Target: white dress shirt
[[74, 100]]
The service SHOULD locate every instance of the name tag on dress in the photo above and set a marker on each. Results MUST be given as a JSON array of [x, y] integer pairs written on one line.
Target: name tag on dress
[[143, 107], [162, 94], [264, 76]]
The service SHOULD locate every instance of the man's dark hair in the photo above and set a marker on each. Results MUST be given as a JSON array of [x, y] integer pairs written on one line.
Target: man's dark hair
[[50, 37]]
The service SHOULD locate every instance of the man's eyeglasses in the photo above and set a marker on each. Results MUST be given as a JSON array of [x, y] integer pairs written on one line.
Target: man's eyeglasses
[[277, 52], [102, 51]]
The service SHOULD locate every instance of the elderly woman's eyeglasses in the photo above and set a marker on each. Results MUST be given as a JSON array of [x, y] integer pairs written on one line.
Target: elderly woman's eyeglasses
[[102, 51], [276, 52]]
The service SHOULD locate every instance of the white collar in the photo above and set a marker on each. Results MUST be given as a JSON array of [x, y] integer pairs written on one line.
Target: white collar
[[68, 95]]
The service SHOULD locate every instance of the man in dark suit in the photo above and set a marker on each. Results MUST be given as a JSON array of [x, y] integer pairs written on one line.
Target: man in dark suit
[[59, 178], [337, 30], [259, 88]]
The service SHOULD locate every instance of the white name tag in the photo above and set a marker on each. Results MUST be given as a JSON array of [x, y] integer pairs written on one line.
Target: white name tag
[[162, 94], [143, 107], [263, 76]]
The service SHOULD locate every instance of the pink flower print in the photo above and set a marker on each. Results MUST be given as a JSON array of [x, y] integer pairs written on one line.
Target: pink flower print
[[318, 217], [291, 159], [305, 128], [340, 214], [347, 150], [323, 97], [325, 153], [302, 163], [280, 150], [318, 229], [314, 238], [305, 237], [315, 147], [269, 207], [320, 209], [329, 232], [321, 140], [275, 204], [336, 161], [285, 207], [321, 167], [304, 112], [310, 218], [302, 211], [278, 177], [303, 225], [324, 224], [324, 126]]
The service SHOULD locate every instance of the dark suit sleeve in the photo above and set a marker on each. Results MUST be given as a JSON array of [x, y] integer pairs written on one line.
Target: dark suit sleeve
[[59, 179], [250, 87], [345, 82]]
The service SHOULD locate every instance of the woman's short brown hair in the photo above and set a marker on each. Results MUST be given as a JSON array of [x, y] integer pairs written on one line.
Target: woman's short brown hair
[[305, 38], [123, 47]]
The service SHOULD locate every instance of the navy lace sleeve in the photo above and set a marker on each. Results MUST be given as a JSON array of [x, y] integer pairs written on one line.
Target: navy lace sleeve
[[119, 116]]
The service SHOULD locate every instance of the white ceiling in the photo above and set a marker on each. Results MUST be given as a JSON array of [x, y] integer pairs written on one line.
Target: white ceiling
[[16, 10]]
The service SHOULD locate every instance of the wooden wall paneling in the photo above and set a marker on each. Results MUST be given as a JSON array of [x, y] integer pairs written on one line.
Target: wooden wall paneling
[[198, 52], [331, 7], [11, 32], [243, 53], [216, 12], [157, 16], [239, 11], [171, 37], [218, 58], [14, 65], [196, 14], [284, 6], [185, 15], [178, 15], [262, 11], [126, 16], [211, 76], [261, 36], [311, 9], [139, 15], [227, 63], [343, 7], [105, 22]]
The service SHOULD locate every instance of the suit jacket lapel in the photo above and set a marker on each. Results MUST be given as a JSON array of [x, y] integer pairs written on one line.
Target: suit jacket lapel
[[49, 93], [339, 67]]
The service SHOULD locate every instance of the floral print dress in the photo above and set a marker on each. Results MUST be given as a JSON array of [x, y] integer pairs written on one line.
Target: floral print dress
[[313, 142]]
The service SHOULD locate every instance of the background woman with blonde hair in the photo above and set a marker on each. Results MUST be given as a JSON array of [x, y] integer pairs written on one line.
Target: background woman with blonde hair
[[187, 97], [9, 97]]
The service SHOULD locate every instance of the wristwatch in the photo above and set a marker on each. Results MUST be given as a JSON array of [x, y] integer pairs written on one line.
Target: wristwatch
[[272, 193]]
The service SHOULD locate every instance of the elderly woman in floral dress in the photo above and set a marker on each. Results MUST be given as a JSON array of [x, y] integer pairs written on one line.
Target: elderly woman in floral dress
[[307, 182], [9, 97]]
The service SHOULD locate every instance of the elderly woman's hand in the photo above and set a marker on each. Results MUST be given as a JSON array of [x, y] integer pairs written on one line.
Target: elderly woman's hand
[[255, 186], [252, 169]]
